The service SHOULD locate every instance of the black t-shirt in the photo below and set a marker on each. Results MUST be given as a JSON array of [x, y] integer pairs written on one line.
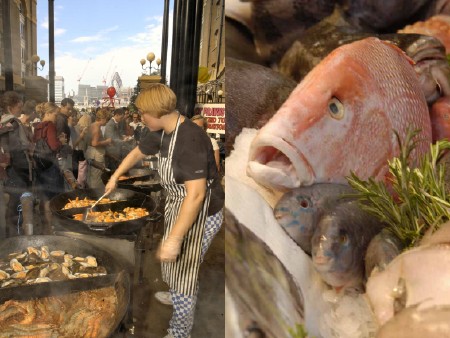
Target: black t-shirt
[[193, 157]]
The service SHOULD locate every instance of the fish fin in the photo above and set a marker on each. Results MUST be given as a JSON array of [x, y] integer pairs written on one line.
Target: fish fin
[[399, 50]]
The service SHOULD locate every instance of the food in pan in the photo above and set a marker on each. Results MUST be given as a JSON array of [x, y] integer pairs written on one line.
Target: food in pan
[[35, 265], [85, 202], [109, 216], [82, 314]]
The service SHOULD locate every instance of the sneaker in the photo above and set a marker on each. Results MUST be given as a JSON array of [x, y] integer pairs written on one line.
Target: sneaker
[[164, 297]]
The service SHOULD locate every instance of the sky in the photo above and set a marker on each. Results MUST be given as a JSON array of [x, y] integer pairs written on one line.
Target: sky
[[96, 38]]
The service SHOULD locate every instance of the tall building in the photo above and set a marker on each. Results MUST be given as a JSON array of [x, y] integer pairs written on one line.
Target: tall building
[[22, 35], [212, 52], [59, 89]]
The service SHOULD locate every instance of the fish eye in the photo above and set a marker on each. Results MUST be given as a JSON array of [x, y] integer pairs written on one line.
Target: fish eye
[[343, 239], [336, 108], [304, 202]]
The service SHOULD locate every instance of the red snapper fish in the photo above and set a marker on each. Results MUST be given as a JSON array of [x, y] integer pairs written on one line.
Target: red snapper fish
[[342, 118]]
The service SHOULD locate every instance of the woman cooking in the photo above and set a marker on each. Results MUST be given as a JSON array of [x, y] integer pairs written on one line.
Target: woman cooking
[[193, 209]]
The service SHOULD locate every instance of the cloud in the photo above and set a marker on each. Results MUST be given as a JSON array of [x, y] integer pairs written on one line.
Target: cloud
[[59, 31], [121, 59], [97, 37], [44, 23]]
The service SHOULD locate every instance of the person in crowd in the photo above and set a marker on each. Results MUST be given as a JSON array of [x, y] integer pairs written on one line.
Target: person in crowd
[[124, 124], [113, 131], [137, 126], [193, 208], [200, 121], [62, 129], [96, 149], [77, 136], [29, 109], [82, 127], [17, 143], [49, 180]]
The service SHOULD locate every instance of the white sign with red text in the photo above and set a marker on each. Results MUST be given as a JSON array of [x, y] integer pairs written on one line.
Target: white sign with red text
[[214, 114]]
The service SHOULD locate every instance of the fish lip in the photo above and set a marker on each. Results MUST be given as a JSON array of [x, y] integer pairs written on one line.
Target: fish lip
[[298, 173], [322, 262]]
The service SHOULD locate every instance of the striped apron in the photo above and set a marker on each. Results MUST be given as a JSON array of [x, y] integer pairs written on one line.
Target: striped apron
[[182, 274]]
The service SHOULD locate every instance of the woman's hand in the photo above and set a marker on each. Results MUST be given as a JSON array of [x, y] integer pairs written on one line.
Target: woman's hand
[[111, 185], [169, 249]]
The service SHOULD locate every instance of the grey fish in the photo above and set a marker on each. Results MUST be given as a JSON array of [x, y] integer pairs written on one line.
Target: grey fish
[[382, 249], [339, 244], [269, 298], [245, 80], [298, 211]]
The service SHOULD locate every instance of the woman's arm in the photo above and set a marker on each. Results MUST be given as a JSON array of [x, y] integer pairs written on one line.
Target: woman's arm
[[217, 158], [128, 162], [190, 208]]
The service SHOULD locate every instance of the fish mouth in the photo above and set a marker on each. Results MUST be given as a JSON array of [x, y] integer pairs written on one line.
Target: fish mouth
[[322, 262], [276, 163]]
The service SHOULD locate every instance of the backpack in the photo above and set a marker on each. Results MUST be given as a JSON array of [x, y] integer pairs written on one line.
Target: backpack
[[43, 155]]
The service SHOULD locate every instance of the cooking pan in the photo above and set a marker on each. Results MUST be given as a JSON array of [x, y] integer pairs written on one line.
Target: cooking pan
[[116, 275], [124, 198], [149, 177], [70, 245]]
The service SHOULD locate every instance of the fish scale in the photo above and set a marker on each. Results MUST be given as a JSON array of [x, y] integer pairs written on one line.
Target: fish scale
[[379, 93]]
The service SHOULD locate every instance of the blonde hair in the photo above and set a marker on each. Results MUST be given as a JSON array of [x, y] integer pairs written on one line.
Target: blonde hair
[[200, 117], [102, 113], [48, 108], [157, 100]]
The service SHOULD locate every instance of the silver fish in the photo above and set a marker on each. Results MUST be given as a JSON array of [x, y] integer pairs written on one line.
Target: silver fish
[[339, 244], [298, 210]]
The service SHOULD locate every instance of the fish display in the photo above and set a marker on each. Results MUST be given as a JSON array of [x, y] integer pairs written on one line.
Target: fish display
[[326, 127], [87, 314], [339, 244], [41, 265], [298, 211]]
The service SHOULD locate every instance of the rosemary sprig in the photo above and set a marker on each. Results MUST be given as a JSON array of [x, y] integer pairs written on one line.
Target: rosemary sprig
[[415, 200]]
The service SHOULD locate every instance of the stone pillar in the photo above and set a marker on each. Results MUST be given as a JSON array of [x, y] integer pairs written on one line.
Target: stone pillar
[[36, 88], [145, 80]]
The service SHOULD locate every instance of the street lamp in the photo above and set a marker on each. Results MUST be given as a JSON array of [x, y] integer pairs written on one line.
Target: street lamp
[[150, 58], [33, 61]]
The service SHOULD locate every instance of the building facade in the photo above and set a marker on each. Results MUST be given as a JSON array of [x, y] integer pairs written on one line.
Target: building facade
[[59, 89], [212, 52], [22, 33]]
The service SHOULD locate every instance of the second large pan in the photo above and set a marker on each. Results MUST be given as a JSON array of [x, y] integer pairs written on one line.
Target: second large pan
[[124, 198]]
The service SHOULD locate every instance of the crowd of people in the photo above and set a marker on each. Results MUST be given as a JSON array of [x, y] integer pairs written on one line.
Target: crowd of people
[[73, 138]]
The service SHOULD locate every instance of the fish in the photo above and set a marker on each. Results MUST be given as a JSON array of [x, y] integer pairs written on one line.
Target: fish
[[437, 26], [415, 322], [382, 249], [341, 118], [243, 81], [298, 210], [339, 244], [270, 298], [440, 119], [417, 276]]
